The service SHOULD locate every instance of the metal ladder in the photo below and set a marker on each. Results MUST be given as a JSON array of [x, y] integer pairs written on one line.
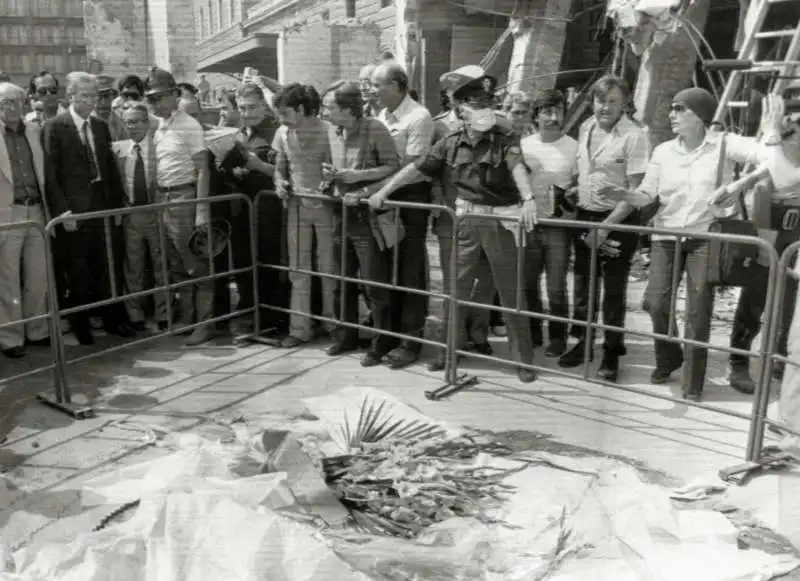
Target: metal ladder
[[782, 69]]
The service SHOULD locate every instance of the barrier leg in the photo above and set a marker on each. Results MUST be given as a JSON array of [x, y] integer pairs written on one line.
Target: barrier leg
[[453, 381], [60, 399]]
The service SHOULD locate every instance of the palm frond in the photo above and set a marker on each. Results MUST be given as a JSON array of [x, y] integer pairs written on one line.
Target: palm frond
[[376, 423]]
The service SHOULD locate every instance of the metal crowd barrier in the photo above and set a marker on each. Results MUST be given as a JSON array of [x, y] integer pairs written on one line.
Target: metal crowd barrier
[[455, 381], [771, 331], [59, 385], [346, 211], [62, 398]]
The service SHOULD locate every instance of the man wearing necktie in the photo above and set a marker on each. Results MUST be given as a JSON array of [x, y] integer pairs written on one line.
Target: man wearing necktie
[[137, 167], [81, 176]]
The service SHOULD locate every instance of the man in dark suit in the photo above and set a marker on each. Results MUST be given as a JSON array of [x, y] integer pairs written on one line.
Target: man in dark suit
[[81, 176]]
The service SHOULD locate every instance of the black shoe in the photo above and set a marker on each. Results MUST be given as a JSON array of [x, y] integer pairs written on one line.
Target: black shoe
[[526, 375], [139, 326], [163, 325], [574, 357], [483, 348], [662, 374], [555, 348], [39, 342], [693, 396], [119, 329], [84, 334], [17, 352], [609, 367], [740, 379], [340, 348], [371, 359]]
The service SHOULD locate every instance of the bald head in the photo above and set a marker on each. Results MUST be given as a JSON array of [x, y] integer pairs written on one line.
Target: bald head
[[390, 84]]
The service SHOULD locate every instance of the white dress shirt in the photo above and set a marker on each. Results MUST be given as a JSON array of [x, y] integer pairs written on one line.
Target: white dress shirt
[[79, 123], [130, 166], [412, 129]]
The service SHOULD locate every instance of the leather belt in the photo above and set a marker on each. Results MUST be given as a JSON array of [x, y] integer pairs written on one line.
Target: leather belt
[[180, 188], [27, 203]]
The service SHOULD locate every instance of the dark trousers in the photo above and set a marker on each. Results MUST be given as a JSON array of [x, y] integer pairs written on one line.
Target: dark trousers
[[273, 286], [86, 265], [693, 260], [410, 310], [753, 298], [612, 279], [364, 258], [548, 252], [483, 244]]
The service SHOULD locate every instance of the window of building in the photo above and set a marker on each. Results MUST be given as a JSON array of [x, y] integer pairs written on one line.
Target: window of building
[[200, 24], [221, 14], [350, 8], [212, 19], [325, 15], [386, 3], [233, 11]]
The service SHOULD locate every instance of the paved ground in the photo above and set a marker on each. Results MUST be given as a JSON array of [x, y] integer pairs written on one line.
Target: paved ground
[[48, 456]]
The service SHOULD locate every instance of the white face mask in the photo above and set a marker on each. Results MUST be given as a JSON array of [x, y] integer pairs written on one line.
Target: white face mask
[[479, 119]]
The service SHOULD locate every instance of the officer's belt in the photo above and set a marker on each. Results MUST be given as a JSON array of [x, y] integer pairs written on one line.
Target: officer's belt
[[465, 207]]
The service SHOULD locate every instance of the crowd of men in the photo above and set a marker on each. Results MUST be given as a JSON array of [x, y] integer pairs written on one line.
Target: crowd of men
[[358, 145]]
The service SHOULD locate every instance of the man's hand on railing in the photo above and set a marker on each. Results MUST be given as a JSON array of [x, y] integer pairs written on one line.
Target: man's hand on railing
[[282, 188], [201, 217], [69, 225], [528, 214]]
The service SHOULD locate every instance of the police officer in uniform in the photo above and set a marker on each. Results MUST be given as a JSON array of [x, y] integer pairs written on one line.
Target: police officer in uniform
[[482, 169]]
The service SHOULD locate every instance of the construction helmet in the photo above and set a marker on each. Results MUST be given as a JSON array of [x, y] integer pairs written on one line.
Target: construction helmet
[[220, 235]]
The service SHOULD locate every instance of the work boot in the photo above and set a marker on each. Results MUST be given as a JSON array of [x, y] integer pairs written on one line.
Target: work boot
[[740, 379], [204, 305]]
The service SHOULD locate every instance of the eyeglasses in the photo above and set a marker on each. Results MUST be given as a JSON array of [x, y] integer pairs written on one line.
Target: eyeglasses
[[43, 91], [677, 108]]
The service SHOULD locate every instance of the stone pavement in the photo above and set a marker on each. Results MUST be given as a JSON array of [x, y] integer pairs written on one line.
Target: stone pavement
[[48, 456]]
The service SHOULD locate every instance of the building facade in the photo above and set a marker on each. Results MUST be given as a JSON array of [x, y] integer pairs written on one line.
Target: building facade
[[321, 41], [41, 34]]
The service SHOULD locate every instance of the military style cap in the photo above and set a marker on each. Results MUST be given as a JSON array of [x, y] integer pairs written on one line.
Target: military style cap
[[159, 81], [464, 80], [105, 84]]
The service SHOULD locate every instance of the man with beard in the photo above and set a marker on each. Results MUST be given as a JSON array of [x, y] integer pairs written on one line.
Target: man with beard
[[412, 129], [482, 166]]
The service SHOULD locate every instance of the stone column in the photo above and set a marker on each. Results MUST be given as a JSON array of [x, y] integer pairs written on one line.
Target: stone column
[[665, 69], [538, 44]]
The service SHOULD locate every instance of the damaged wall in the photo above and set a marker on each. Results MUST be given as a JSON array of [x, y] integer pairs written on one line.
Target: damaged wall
[[319, 53], [129, 36]]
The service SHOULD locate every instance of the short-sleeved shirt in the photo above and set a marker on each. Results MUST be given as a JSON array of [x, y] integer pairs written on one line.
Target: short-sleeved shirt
[[302, 153], [177, 140], [479, 173], [411, 127], [367, 145], [623, 154], [551, 163], [684, 181]]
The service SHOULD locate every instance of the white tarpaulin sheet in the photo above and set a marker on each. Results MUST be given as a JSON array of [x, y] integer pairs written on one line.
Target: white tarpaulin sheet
[[570, 520]]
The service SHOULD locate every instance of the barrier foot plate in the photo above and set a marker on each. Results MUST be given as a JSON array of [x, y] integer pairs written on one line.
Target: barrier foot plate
[[77, 411], [772, 458], [462, 382], [271, 341]]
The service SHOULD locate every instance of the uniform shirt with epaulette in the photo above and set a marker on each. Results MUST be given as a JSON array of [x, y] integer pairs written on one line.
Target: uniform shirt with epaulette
[[479, 173]]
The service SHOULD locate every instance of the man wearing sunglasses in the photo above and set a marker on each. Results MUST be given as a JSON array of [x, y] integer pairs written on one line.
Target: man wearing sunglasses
[[182, 169], [44, 87]]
